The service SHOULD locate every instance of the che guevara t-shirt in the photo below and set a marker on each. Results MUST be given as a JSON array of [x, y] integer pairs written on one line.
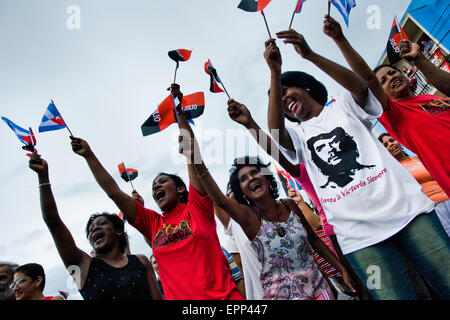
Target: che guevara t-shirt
[[367, 195], [186, 247]]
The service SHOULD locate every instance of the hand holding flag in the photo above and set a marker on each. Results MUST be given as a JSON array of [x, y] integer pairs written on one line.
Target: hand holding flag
[[25, 136], [177, 56], [192, 105], [393, 48]]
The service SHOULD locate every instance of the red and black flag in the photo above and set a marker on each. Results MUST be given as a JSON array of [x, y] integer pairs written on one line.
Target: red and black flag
[[253, 5], [392, 48], [180, 55], [214, 78], [192, 105], [63, 294], [177, 56], [127, 174]]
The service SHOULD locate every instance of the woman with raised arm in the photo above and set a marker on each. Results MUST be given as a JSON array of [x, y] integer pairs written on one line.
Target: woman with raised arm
[[408, 118], [183, 238], [377, 209], [240, 114], [279, 232], [111, 275]]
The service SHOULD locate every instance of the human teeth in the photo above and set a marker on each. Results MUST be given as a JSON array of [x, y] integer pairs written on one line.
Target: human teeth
[[291, 105], [256, 187], [159, 194]]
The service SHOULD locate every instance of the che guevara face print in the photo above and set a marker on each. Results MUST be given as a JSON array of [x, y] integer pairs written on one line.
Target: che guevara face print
[[336, 155]]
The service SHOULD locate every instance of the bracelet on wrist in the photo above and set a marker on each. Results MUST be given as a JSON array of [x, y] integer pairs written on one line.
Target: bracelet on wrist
[[203, 174], [45, 184]]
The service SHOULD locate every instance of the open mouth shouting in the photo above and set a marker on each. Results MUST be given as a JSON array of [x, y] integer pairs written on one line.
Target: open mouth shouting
[[159, 195], [97, 237], [256, 187], [294, 107]]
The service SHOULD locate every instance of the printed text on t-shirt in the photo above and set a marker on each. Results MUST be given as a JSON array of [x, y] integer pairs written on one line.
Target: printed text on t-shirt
[[436, 106], [354, 187], [169, 234]]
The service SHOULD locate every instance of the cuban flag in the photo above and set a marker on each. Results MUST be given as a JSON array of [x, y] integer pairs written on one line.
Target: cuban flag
[[299, 6], [344, 7], [52, 119], [287, 181], [25, 136]]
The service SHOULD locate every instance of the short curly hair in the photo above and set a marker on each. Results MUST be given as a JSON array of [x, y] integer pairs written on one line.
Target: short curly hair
[[235, 185], [118, 225]]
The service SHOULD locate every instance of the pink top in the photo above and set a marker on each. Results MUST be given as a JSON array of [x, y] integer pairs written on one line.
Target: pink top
[[306, 184]]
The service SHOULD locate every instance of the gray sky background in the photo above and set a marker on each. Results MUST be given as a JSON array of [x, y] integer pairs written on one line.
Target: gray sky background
[[107, 77]]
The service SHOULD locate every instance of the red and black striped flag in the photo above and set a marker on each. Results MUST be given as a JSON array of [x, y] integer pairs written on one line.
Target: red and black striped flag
[[214, 78], [253, 5], [180, 55], [192, 106], [392, 48], [127, 174]]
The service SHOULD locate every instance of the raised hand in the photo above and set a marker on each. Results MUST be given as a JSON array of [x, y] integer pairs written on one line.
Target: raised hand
[[239, 112], [176, 93], [298, 41], [80, 147], [332, 28], [136, 196], [409, 50], [38, 165], [272, 55], [187, 146], [295, 195]]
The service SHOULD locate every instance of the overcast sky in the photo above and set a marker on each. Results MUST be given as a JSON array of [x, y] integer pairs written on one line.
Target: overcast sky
[[108, 70]]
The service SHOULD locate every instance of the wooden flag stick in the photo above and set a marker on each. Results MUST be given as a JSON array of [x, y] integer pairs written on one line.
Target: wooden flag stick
[[175, 76], [222, 85], [63, 120], [132, 185], [265, 21], [329, 6], [292, 19]]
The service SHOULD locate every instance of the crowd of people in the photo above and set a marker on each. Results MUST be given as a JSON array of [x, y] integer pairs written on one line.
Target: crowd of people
[[373, 207]]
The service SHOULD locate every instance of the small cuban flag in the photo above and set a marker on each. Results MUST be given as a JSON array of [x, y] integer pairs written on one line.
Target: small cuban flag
[[344, 7], [24, 135], [52, 119]]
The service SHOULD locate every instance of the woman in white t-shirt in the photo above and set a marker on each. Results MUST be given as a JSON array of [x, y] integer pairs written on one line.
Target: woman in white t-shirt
[[378, 211]]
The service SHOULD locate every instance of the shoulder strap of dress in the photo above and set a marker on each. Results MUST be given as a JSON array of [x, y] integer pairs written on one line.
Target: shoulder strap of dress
[[291, 205]]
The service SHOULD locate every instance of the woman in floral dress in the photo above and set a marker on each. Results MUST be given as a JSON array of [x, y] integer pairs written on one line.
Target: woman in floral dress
[[278, 230]]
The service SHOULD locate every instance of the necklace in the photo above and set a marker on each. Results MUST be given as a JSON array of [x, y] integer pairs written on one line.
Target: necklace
[[279, 229]]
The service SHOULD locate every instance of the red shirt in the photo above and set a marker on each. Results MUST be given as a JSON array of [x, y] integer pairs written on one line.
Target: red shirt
[[186, 247], [422, 124]]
